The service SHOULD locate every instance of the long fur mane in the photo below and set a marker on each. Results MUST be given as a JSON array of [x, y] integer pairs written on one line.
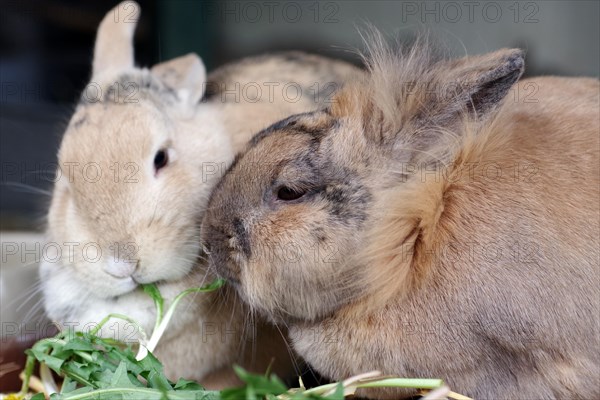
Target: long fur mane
[[412, 221]]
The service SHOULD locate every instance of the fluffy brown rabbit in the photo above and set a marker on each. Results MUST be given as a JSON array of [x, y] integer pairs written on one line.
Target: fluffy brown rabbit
[[440, 219], [137, 163]]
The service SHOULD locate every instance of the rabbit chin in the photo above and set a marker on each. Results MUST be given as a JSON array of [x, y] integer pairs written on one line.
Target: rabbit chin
[[71, 304], [122, 286], [81, 304], [103, 285]]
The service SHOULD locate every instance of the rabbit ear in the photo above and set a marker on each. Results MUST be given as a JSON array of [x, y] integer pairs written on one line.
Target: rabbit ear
[[475, 84], [114, 41], [186, 75], [413, 89]]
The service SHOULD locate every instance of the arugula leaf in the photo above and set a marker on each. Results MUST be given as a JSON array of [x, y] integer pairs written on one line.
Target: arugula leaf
[[68, 385], [183, 384], [256, 385], [120, 378], [99, 368], [53, 363], [78, 343]]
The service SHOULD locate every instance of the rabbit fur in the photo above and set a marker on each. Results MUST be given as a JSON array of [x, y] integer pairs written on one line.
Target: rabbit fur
[[434, 221]]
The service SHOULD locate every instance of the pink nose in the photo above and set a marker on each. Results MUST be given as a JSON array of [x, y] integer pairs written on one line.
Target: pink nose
[[120, 268]]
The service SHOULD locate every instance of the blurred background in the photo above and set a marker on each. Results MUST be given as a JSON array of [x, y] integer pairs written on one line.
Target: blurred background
[[45, 62], [46, 50]]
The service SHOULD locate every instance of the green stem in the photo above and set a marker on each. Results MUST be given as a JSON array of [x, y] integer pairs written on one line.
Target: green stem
[[160, 330], [154, 292], [96, 394], [404, 383], [388, 382], [84, 355], [27, 372], [159, 316], [321, 389], [124, 318]]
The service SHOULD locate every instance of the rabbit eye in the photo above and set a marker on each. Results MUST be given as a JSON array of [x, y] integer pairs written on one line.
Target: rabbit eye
[[287, 194], [161, 159]]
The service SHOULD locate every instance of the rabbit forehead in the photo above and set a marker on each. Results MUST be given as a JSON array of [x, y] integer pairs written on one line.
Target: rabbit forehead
[[114, 132], [272, 155], [296, 138], [311, 146], [107, 152]]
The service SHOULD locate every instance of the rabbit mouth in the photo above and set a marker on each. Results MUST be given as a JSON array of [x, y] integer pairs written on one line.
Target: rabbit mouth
[[128, 283], [225, 256], [234, 281], [119, 287], [230, 269]]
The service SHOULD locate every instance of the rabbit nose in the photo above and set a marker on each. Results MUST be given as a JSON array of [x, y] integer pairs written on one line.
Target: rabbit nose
[[120, 268], [217, 242]]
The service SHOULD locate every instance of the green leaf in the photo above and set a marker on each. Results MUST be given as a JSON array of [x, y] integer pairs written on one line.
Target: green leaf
[[263, 384], [233, 393], [102, 378], [106, 369], [81, 344], [53, 363], [183, 384], [68, 385], [156, 380], [150, 363], [120, 378], [45, 345], [79, 372], [127, 357], [256, 386]]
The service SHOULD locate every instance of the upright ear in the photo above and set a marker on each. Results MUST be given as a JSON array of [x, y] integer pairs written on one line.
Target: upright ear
[[186, 75], [406, 93], [114, 41], [474, 84]]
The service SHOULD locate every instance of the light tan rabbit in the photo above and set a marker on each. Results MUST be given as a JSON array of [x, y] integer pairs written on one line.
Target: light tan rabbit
[[439, 220], [137, 163], [257, 91]]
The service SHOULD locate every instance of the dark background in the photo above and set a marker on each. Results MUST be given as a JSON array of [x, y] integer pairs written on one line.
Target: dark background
[[46, 51]]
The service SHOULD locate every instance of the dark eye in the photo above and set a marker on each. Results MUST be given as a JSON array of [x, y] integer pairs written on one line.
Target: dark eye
[[287, 194], [161, 159]]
